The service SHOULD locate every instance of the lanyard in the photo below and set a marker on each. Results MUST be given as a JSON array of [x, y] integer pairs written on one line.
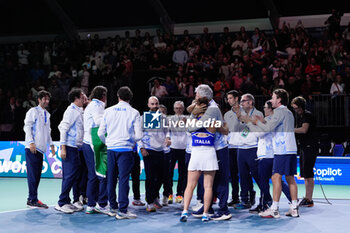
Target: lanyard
[[252, 112]]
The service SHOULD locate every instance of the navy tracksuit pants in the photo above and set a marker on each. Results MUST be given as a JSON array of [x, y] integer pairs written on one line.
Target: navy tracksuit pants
[[153, 169], [79, 188], [248, 168], [70, 173], [234, 177], [34, 168], [135, 176], [96, 190], [119, 164], [165, 179], [177, 155], [221, 181]]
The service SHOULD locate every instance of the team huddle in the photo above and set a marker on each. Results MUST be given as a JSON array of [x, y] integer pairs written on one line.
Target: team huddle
[[245, 145]]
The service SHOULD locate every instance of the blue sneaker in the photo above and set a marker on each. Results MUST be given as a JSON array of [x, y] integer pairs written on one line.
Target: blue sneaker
[[221, 216], [184, 217], [242, 206], [199, 213], [205, 218]]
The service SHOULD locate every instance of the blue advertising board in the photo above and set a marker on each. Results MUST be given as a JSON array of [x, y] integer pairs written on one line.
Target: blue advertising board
[[328, 170]]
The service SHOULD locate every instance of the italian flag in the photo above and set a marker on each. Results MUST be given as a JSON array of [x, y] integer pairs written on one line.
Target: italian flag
[[100, 151]]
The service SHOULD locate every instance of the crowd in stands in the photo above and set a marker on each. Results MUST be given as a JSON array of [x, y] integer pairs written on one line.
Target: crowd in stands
[[250, 62]]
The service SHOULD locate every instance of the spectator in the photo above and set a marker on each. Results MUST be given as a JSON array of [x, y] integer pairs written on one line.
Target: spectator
[[54, 90], [306, 87], [182, 85], [84, 76], [7, 117], [319, 86], [158, 90], [190, 87], [55, 72], [127, 71], [221, 86], [338, 86], [346, 79], [47, 58], [248, 86], [333, 22], [37, 72], [29, 102], [170, 86], [256, 37], [292, 87], [180, 56], [160, 44], [225, 69], [265, 86], [346, 37], [19, 115], [237, 80], [312, 68], [23, 55], [155, 63]]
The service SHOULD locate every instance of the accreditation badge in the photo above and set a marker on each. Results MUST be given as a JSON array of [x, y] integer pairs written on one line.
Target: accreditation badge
[[245, 132]]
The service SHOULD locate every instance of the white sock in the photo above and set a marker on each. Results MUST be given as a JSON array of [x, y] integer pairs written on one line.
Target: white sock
[[294, 204], [275, 205], [205, 214], [185, 211]]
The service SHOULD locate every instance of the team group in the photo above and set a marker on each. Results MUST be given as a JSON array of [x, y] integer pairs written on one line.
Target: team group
[[246, 145]]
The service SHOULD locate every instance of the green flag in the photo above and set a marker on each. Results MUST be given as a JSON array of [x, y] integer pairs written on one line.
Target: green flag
[[100, 151]]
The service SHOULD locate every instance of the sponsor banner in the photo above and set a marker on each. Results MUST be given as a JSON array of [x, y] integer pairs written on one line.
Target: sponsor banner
[[328, 170], [13, 161]]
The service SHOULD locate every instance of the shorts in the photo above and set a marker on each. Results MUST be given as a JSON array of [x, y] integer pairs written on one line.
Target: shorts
[[285, 164], [308, 157]]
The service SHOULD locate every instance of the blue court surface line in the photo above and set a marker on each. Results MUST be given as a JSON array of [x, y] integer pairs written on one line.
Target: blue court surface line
[[320, 218]]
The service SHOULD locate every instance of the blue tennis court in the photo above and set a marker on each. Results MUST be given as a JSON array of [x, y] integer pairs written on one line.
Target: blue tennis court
[[15, 217]]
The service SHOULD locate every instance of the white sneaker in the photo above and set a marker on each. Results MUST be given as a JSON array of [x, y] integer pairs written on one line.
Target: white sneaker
[[65, 209], [78, 205], [112, 212], [165, 201], [90, 210], [293, 212], [270, 213], [127, 215], [151, 208], [102, 210], [197, 206]]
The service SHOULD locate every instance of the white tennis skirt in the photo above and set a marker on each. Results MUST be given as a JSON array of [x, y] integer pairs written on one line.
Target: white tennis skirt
[[203, 158]]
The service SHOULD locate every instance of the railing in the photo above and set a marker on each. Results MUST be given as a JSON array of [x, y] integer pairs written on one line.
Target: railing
[[328, 110]]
